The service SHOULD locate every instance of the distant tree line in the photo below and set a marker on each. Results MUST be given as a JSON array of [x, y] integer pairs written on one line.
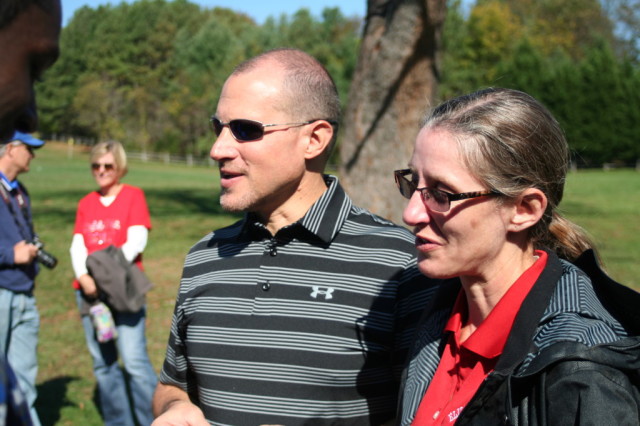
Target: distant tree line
[[149, 73]]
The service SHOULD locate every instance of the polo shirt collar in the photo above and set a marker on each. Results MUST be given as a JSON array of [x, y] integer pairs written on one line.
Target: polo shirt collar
[[491, 336], [327, 215], [324, 218]]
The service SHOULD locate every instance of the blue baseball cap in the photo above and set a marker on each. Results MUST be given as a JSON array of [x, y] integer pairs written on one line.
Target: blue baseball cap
[[26, 139]]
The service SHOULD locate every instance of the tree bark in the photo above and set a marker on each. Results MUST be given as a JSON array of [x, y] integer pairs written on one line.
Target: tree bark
[[394, 84]]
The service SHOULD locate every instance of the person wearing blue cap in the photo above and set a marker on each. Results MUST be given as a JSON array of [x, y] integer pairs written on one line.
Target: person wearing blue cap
[[19, 318]]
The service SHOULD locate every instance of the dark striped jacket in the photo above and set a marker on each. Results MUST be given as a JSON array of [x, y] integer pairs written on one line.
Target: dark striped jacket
[[572, 357], [310, 326]]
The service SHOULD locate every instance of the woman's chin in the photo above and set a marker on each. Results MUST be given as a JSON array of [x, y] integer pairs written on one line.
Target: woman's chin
[[432, 269]]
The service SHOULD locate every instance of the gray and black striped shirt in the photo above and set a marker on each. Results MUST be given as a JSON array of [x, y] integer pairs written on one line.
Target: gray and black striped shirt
[[311, 325]]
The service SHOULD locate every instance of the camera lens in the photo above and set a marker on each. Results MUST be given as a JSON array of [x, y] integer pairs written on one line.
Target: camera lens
[[47, 259]]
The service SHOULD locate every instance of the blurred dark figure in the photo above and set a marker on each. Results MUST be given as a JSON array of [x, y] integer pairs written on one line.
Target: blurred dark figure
[[29, 32]]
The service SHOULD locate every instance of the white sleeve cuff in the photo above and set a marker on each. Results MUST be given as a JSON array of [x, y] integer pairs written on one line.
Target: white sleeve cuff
[[137, 236]]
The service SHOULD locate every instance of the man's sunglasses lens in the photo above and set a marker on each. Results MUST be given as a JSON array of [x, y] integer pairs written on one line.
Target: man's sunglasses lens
[[217, 126], [246, 130], [243, 130]]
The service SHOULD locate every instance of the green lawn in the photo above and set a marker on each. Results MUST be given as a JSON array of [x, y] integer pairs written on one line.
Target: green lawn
[[183, 204]]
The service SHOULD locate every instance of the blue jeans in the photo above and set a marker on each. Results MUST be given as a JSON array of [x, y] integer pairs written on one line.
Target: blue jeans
[[19, 325], [132, 346]]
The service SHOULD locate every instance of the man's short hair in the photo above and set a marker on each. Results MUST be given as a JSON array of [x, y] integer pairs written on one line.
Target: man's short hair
[[312, 90], [10, 9], [309, 90]]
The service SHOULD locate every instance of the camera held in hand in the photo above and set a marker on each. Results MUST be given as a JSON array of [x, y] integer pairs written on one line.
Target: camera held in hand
[[44, 257]]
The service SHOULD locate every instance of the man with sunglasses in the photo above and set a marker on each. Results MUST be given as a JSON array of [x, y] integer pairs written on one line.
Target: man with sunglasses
[[302, 311]]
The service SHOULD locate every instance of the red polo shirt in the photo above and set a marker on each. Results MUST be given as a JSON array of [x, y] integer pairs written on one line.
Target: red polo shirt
[[464, 366]]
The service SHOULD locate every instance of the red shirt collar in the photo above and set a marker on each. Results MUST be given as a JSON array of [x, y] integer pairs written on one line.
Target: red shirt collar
[[489, 338]]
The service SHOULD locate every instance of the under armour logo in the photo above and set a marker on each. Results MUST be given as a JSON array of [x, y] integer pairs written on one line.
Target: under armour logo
[[328, 293]]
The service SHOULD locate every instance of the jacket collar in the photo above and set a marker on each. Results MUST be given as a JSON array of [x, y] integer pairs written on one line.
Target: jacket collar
[[615, 297], [519, 344]]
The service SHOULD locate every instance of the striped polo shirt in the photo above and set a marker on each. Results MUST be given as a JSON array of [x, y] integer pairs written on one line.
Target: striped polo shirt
[[310, 326]]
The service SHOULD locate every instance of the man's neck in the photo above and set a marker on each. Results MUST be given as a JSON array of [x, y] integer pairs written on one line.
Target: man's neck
[[311, 189], [9, 173], [8, 178]]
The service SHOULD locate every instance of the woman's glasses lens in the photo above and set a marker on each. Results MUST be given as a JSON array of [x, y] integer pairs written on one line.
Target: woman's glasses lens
[[435, 199], [107, 166], [404, 185]]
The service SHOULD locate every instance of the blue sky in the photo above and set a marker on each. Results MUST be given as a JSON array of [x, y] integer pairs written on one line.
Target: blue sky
[[257, 9]]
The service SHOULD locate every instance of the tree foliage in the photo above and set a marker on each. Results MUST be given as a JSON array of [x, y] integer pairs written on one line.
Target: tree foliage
[[149, 72], [565, 53]]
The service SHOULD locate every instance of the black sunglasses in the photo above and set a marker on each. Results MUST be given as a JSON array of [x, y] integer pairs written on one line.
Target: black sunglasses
[[435, 199], [249, 130]]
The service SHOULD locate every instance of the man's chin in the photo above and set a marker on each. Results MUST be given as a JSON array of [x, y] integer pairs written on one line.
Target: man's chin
[[231, 205]]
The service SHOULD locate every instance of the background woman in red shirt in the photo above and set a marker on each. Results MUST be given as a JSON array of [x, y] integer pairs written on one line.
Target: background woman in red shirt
[[116, 214]]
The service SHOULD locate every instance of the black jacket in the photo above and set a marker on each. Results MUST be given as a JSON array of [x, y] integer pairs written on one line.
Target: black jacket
[[573, 356]]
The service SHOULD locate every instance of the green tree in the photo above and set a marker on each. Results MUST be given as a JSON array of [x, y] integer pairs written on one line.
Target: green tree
[[149, 72]]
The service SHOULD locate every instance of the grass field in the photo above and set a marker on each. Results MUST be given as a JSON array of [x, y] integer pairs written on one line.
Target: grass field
[[183, 205]]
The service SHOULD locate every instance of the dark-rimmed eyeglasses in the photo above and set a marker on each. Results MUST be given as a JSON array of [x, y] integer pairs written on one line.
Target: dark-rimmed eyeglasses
[[435, 199], [244, 130], [107, 166]]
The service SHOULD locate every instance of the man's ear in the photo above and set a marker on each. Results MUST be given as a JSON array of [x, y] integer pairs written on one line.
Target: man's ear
[[319, 139], [529, 207]]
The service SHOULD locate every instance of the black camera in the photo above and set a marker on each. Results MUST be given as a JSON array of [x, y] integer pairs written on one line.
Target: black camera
[[44, 257]]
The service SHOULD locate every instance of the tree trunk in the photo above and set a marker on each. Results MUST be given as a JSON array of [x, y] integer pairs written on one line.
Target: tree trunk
[[393, 85]]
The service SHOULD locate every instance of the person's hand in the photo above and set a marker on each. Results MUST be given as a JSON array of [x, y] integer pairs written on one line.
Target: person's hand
[[24, 253], [181, 413], [88, 286]]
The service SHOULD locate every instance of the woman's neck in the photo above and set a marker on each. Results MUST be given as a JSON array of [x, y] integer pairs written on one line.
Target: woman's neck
[[111, 190], [483, 294]]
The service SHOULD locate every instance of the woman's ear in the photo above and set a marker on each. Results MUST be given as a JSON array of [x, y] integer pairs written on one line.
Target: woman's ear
[[319, 139], [528, 209]]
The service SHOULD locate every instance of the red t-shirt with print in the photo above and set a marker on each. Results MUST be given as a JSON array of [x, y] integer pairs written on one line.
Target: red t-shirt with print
[[102, 225]]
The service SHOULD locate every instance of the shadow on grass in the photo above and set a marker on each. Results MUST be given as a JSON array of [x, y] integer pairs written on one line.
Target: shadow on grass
[[52, 398]]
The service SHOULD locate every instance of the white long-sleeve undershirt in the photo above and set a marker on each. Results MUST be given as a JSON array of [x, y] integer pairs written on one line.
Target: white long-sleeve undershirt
[[137, 236]]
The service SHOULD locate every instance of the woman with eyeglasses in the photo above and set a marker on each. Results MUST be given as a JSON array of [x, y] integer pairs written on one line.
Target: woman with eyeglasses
[[115, 215], [526, 329]]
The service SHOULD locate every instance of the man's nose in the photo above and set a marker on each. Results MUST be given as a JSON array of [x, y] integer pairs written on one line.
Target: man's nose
[[224, 146]]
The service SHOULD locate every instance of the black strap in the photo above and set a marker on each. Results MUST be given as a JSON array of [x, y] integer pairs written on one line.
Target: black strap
[[20, 198]]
